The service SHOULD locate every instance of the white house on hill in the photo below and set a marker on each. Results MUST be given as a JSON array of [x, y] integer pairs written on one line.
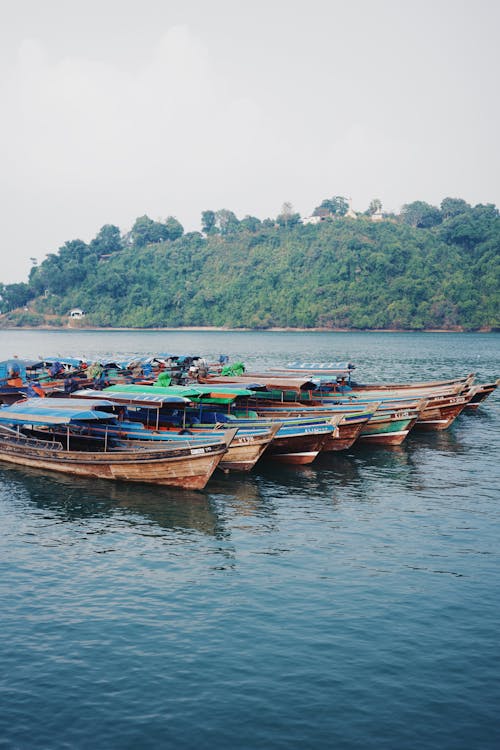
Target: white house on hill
[[76, 312]]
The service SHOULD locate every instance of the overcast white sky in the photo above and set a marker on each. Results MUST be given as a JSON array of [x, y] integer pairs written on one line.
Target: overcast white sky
[[116, 108]]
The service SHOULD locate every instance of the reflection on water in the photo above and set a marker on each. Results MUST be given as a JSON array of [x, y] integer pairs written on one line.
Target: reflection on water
[[242, 492], [75, 498]]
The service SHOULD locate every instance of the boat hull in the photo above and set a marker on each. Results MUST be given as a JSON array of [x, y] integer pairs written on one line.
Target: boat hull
[[439, 416], [242, 453], [479, 393], [344, 436], [188, 469], [297, 449], [245, 451], [388, 431]]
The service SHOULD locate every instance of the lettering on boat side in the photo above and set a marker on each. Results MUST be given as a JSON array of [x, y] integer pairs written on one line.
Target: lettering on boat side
[[196, 451]]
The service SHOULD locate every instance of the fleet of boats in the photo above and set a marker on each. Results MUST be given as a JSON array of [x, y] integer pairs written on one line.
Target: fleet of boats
[[173, 420]]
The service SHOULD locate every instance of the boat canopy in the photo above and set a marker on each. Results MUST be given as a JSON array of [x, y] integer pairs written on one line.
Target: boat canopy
[[35, 411], [75, 404], [153, 400], [199, 393], [259, 381], [65, 361], [332, 366]]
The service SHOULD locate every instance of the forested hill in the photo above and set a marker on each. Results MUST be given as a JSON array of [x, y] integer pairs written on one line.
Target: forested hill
[[428, 269]]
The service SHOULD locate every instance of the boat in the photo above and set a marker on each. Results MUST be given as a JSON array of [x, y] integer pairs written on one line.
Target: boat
[[33, 444], [297, 441], [478, 393], [437, 407], [349, 419], [143, 413]]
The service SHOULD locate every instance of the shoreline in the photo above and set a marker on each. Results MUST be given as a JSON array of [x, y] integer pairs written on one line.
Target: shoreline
[[223, 329]]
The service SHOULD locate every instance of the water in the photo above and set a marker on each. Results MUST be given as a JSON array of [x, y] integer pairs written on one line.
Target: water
[[353, 603]]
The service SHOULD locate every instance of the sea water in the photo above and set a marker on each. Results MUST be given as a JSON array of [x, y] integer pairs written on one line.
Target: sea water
[[352, 603]]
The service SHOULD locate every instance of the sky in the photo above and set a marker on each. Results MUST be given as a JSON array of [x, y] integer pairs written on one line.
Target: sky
[[112, 109]]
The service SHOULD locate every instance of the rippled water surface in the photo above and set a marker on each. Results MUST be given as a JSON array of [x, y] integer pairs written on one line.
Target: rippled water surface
[[353, 603]]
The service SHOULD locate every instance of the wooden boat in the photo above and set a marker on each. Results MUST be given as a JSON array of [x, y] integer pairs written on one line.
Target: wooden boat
[[436, 409], [440, 413], [352, 420], [344, 370], [376, 422], [176, 466], [434, 412], [298, 444], [388, 428], [285, 388], [346, 430], [478, 393], [456, 383], [245, 449], [297, 441]]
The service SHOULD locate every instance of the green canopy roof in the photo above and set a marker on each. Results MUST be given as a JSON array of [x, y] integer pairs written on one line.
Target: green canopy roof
[[219, 394]]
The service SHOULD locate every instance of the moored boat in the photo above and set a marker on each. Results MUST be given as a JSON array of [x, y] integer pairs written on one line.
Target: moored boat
[[388, 428], [245, 449], [181, 465], [478, 393], [298, 440], [440, 413]]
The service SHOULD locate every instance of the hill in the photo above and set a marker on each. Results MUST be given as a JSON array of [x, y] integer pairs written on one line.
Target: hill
[[427, 268]]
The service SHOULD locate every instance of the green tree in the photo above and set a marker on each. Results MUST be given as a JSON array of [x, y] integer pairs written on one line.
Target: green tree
[[174, 228], [146, 231], [208, 219], [336, 206], [451, 207], [107, 240], [335, 274], [74, 250], [13, 296], [374, 207], [227, 222], [250, 223], [420, 214], [288, 217]]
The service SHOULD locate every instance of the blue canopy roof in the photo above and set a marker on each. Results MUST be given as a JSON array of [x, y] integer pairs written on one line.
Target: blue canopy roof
[[75, 404], [340, 366], [36, 411]]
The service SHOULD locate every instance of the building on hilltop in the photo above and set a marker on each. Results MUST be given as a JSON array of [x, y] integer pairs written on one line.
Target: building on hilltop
[[316, 219], [328, 213]]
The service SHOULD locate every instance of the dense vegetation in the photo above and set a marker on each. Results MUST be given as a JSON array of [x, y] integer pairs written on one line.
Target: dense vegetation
[[428, 267]]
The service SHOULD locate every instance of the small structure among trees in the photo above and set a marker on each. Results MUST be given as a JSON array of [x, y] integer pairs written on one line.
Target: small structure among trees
[[76, 313]]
